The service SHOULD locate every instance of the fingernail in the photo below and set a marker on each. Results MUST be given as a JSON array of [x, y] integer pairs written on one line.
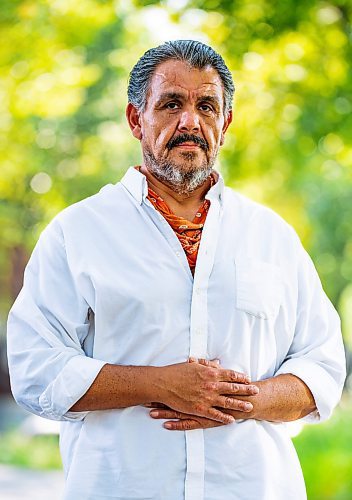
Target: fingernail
[[154, 413], [248, 407], [168, 425], [255, 389]]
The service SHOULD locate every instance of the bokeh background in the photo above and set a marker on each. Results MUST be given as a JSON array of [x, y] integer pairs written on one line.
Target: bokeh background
[[63, 135]]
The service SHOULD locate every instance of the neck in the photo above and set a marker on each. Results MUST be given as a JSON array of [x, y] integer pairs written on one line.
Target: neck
[[195, 198], [182, 205]]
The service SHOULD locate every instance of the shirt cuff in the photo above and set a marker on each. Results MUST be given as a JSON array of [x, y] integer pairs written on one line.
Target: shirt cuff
[[69, 386], [323, 387]]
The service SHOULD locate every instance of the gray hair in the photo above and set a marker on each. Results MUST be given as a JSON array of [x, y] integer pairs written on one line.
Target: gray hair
[[196, 54]]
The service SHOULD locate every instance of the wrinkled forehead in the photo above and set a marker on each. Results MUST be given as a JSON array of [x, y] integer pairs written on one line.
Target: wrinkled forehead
[[179, 77]]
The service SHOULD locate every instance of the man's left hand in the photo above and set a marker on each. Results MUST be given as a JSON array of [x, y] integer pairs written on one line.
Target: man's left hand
[[184, 421]]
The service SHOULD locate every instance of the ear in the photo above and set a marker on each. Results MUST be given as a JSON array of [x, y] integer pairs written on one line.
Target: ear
[[227, 122], [133, 118]]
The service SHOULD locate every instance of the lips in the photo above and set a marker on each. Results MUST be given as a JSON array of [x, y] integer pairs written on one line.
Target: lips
[[188, 145]]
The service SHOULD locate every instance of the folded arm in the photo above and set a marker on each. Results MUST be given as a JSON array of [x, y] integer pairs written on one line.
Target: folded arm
[[206, 391], [280, 399]]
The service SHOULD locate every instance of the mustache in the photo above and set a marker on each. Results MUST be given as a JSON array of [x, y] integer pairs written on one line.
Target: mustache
[[180, 139]]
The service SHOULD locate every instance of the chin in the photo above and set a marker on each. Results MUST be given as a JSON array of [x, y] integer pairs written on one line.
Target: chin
[[189, 160]]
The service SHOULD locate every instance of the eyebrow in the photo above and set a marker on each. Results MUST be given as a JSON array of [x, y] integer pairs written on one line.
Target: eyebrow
[[210, 98], [169, 95], [178, 96]]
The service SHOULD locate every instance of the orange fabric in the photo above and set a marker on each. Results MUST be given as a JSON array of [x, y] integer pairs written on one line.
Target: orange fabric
[[188, 232]]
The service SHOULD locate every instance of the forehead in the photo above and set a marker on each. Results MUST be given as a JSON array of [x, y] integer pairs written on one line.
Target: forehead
[[180, 77]]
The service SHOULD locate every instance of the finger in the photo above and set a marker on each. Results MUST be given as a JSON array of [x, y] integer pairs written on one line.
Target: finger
[[213, 363], [239, 389], [219, 416], [234, 404], [155, 405], [167, 414], [233, 376], [182, 425]]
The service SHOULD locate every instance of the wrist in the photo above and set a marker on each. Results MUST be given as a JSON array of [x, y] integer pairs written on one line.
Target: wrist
[[156, 388]]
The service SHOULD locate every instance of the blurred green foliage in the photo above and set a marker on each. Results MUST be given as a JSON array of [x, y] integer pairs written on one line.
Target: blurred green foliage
[[325, 454], [63, 76], [64, 68], [34, 452]]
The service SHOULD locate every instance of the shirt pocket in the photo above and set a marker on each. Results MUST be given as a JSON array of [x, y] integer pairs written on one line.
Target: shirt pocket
[[258, 288]]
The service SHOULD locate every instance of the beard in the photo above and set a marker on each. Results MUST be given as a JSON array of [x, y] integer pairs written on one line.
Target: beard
[[182, 178]]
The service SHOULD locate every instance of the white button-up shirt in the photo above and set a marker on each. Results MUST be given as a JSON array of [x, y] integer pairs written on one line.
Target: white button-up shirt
[[109, 282]]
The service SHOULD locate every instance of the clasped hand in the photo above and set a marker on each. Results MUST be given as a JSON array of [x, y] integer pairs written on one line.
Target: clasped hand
[[200, 394]]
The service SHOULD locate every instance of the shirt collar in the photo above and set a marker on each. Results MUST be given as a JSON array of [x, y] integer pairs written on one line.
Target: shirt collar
[[136, 184], [216, 192]]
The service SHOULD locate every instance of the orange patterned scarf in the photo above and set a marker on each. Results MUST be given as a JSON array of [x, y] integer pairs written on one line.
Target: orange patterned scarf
[[188, 232]]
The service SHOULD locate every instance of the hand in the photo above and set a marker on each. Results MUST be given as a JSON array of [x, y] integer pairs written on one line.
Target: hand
[[204, 389], [184, 421]]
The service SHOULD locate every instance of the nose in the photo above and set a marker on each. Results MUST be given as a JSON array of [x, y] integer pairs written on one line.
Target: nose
[[189, 121]]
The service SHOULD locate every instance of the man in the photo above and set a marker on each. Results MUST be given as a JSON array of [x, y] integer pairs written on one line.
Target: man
[[169, 291]]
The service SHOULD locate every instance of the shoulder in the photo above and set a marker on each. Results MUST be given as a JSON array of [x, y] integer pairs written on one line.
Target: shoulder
[[108, 194], [254, 214], [82, 214]]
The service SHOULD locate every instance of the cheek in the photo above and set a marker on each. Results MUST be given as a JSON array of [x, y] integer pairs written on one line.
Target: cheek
[[213, 139], [157, 133], [163, 136]]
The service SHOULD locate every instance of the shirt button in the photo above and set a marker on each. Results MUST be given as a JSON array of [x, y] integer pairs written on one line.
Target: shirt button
[[198, 291], [178, 254]]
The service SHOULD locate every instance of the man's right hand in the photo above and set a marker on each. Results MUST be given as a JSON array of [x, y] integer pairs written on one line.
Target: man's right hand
[[205, 391]]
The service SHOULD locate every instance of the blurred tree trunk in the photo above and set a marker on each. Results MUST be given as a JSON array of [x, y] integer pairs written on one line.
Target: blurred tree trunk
[[19, 259]]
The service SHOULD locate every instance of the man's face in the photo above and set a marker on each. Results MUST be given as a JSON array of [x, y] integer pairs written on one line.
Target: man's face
[[183, 124]]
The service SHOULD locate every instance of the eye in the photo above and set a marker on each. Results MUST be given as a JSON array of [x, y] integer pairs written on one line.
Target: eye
[[205, 107], [172, 105]]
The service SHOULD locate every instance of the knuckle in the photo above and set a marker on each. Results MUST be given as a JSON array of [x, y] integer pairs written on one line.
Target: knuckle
[[228, 402], [226, 419], [243, 405], [210, 386], [217, 415], [213, 374], [187, 425], [234, 388], [199, 407]]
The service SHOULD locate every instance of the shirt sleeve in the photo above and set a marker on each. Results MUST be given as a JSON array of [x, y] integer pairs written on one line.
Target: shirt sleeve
[[47, 325], [316, 354]]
